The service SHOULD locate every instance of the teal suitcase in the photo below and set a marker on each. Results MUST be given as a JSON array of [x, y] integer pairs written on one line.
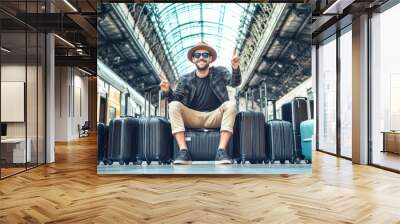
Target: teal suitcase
[[306, 132]]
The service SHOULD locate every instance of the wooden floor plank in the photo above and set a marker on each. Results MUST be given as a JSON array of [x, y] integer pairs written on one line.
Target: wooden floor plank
[[70, 191]]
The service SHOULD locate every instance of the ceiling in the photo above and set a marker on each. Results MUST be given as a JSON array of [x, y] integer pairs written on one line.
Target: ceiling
[[182, 25], [22, 49], [123, 53], [73, 21], [171, 29], [286, 60]]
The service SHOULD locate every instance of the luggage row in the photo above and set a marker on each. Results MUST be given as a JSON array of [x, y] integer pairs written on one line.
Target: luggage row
[[129, 139], [137, 140]]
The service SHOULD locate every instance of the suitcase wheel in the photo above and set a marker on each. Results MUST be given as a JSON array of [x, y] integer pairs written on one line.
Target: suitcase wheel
[[109, 162], [297, 160], [121, 162], [266, 161], [239, 161], [260, 162], [148, 162], [252, 162], [160, 163], [308, 161], [291, 161], [127, 162], [282, 161], [243, 162]]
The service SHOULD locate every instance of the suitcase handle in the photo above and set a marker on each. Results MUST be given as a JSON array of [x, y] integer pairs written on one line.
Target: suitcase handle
[[203, 129], [122, 116], [300, 97], [308, 105], [275, 120], [147, 106]]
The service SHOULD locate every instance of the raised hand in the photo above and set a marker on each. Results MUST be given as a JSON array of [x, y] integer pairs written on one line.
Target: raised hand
[[235, 60], [164, 84]]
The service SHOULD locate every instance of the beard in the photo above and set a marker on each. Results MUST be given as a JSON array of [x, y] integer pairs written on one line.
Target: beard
[[202, 67]]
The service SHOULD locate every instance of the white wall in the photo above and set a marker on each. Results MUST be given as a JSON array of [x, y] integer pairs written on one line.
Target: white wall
[[33, 126], [12, 73], [111, 78], [71, 94], [61, 103], [9, 73], [79, 117]]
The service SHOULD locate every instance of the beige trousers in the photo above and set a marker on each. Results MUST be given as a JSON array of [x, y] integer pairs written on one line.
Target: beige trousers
[[182, 116]]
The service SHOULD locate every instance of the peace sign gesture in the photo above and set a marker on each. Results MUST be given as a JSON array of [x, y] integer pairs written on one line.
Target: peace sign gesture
[[164, 85], [235, 60]]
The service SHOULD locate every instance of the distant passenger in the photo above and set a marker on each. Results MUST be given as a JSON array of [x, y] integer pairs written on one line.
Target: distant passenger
[[201, 100]]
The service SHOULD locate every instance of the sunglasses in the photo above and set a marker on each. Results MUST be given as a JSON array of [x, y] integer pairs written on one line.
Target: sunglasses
[[198, 55]]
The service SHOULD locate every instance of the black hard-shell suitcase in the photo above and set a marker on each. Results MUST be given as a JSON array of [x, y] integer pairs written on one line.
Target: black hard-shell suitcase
[[280, 143], [296, 112], [155, 140], [249, 137], [122, 141], [102, 138], [203, 144], [311, 103]]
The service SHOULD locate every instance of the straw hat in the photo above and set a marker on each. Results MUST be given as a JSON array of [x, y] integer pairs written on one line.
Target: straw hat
[[203, 46]]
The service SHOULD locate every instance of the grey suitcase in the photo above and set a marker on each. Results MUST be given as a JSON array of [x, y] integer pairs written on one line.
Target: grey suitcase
[[102, 138], [280, 142], [249, 137], [122, 140], [203, 144], [155, 140], [155, 137]]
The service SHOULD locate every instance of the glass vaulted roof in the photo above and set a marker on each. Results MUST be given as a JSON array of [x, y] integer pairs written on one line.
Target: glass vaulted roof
[[181, 25]]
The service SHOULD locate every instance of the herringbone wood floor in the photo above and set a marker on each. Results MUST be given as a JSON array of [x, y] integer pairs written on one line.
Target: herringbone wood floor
[[70, 191]]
